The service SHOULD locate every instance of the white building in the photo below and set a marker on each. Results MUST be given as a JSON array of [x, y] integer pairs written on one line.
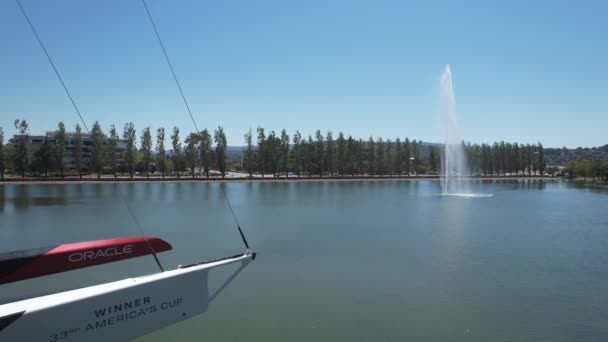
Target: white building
[[35, 141]]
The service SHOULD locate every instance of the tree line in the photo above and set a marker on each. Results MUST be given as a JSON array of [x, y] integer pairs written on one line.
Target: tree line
[[102, 153], [325, 155], [595, 169], [265, 153], [502, 158]]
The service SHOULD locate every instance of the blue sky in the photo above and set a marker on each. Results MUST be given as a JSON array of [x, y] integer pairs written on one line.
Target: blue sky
[[523, 71]]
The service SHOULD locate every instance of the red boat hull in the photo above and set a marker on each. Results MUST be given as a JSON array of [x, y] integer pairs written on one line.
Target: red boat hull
[[38, 262]]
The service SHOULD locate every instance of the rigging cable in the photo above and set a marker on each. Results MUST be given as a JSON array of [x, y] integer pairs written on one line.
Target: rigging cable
[[124, 199], [191, 116]]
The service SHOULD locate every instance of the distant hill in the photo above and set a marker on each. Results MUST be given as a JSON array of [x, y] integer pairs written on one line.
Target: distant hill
[[235, 152], [561, 156]]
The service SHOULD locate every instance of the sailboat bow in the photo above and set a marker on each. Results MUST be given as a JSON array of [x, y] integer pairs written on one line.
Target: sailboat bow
[[117, 311]]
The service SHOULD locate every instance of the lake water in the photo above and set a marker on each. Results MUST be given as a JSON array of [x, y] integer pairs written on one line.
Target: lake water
[[349, 261]]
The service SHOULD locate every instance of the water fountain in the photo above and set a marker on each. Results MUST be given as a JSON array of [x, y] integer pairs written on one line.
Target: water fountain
[[453, 159]]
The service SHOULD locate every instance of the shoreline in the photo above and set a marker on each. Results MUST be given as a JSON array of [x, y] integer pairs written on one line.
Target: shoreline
[[270, 178]]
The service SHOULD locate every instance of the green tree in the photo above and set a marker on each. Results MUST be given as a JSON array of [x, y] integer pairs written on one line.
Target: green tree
[[397, 157], [477, 148], [469, 152], [43, 158], [380, 157], [515, 160], [221, 145], [482, 160], [552, 170], [9, 155], [59, 148], [503, 153], [160, 148], [570, 168], [330, 155], [350, 158], [112, 149], [78, 150], [2, 154], [492, 157], [284, 149], [596, 165], [534, 163], [129, 155], [262, 154], [389, 156], [272, 150], [20, 159], [542, 163], [406, 156], [496, 159], [521, 159], [371, 156], [97, 149], [477, 155], [359, 156], [507, 160], [146, 149], [416, 156], [341, 154], [319, 157], [177, 151], [309, 156], [584, 168], [249, 154], [604, 170], [297, 152], [190, 152], [205, 151], [433, 159], [529, 158]]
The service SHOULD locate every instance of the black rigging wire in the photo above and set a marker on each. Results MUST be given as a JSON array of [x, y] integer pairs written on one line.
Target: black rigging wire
[[190, 112], [87, 129], [52, 64], [235, 219], [170, 66]]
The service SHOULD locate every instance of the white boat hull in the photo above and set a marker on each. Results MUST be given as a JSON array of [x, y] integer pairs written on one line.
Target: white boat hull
[[117, 311]]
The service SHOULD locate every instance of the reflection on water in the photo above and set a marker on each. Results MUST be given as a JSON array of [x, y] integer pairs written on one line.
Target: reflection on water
[[5, 199], [18, 197], [515, 184], [2, 198], [27, 202], [595, 188]]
